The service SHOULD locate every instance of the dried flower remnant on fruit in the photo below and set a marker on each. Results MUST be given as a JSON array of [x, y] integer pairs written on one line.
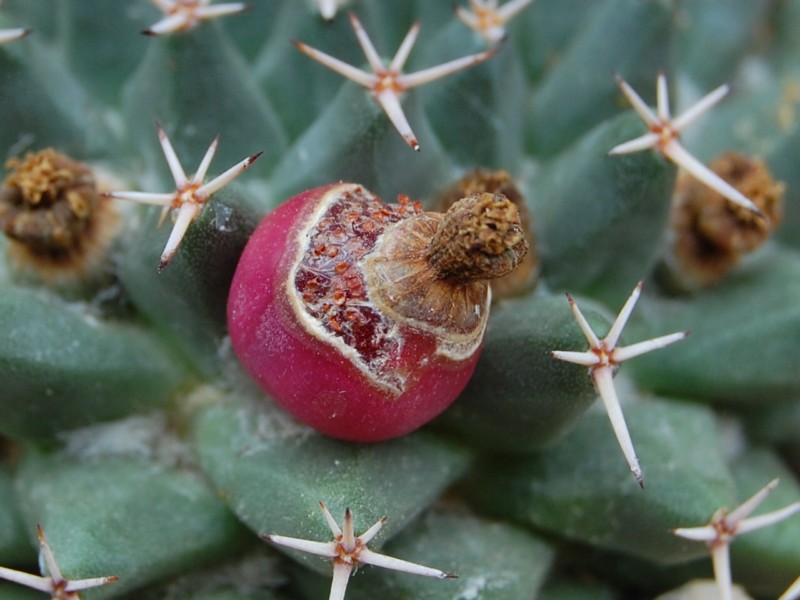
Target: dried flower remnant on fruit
[[182, 15], [664, 131], [603, 357], [60, 224], [708, 234], [54, 583], [348, 551], [434, 271], [726, 525], [427, 267], [387, 84], [488, 18], [500, 182], [191, 193], [478, 238]]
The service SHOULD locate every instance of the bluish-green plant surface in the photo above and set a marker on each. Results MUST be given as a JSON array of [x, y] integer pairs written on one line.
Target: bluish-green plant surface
[[131, 435]]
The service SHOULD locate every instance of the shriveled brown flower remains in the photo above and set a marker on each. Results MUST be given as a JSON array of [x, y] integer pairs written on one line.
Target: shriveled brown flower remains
[[500, 182], [478, 238], [710, 234], [435, 271], [51, 209]]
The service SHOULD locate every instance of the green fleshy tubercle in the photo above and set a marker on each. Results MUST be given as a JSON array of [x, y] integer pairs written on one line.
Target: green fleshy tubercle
[[777, 423], [574, 491], [188, 298], [252, 32], [356, 142], [726, 358], [628, 37], [488, 100], [600, 219], [277, 62], [15, 546], [135, 517], [547, 29], [103, 44], [520, 398], [62, 369], [255, 574], [728, 30], [14, 592], [493, 561], [201, 63], [34, 83], [273, 472]]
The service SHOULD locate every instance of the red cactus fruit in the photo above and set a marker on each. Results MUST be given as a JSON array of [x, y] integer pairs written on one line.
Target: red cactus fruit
[[365, 319]]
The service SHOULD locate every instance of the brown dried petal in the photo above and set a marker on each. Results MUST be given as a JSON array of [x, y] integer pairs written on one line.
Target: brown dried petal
[[50, 207], [479, 238], [711, 234], [499, 182]]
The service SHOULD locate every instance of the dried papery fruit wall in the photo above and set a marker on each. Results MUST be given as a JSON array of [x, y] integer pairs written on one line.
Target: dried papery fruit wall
[[333, 403]]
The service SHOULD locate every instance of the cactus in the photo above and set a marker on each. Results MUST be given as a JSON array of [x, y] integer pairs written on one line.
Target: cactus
[[649, 145]]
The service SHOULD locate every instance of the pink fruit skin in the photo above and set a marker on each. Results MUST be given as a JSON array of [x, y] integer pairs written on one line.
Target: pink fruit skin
[[309, 377]]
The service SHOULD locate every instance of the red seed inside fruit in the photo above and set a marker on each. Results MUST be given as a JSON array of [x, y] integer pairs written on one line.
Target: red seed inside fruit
[[331, 283]]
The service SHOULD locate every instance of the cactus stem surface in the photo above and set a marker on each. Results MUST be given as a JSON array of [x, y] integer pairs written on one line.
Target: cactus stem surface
[[603, 356]]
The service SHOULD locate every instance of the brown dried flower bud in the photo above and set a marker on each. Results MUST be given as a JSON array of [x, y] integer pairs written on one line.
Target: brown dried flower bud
[[58, 223], [709, 234], [499, 182]]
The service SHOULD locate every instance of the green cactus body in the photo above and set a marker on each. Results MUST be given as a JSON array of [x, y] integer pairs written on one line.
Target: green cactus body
[[132, 436]]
